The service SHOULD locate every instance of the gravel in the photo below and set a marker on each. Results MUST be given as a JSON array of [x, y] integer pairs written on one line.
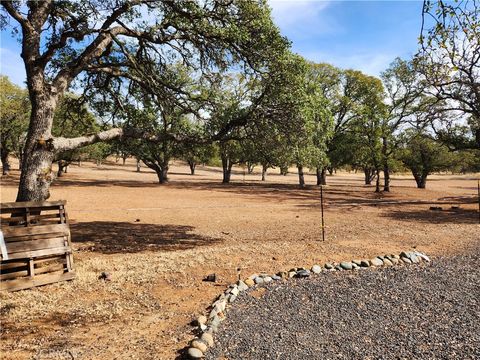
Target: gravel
[[428, 311]]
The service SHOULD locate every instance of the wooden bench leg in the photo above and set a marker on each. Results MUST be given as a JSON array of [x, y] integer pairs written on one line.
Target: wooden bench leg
[[31, 268]]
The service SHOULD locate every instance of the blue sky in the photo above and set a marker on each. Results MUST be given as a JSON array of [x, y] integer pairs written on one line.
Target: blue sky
[[363, 35]]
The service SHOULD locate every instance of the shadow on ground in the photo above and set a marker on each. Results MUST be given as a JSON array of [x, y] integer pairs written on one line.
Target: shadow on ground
[[458, 216], [120, 237]]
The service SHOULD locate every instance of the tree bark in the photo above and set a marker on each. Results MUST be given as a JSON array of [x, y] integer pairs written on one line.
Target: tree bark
[[284, 170], [138, 165], [301, 178], [227, 169], [250, 167], [5, 162], [386, 167], [62, 167], [369, 175], [38, 154], [420, 179], [377, 182], [264, 172], [192, 166], [162, 174], [322, 176]]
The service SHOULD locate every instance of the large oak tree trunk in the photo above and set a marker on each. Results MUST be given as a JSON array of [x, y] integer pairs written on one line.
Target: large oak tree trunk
[[227, 169], [38, 154], [264, 172], [62, 167], [322, 176], [192, 164], [5, 162], [301, 178], [369, 175], [377, 182], [386, 167], [162, 173], [420, 179]]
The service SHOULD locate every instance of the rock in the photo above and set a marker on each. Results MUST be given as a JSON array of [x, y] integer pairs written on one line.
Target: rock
[[376, 262], [423, 256], [415, 259], [357, 262], [210, 278], [364, 263], [276, 277], [203, 327], [249, 282], [387, 262], [328, 266], [283, 274], [194, 353], [355, 266], [232, 298], [241, 285], [291, 274], [338, 268], [302, 274], [259, 280], [253, 276], [235, 291], [396, 257], [406, 260], [219, 305], [208, 338], [394, 261], [380, 257], [316, 269], [201, 320], [199, 344], [267, 279], [346, 265], [215, 321], [105, 276]]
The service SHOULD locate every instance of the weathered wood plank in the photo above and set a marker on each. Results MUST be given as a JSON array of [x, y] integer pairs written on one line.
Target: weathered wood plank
[[11, 232], [34, 237], [13, 275], [35, 253], [7, 264], [39, 280], [34, 244], [31, 204]]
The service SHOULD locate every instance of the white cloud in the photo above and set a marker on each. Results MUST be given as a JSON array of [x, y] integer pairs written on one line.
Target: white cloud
[[369, 63], [11, 64], [301, 16]]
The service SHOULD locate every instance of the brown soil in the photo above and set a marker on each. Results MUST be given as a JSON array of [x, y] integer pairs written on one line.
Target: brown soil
[[159, 241]]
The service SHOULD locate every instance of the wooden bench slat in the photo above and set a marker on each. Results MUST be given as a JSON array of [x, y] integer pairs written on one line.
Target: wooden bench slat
[[34, 253], [25, 283], [11, 232], [19, 246], [32, 204]]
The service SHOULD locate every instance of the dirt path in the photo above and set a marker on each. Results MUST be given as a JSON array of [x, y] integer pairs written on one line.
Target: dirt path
[[158, 242]]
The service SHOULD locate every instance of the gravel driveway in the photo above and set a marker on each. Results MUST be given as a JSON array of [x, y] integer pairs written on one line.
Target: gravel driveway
[[429, 311]]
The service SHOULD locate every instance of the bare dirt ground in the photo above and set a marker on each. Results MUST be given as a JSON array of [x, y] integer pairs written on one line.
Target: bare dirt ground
[[159, 241]]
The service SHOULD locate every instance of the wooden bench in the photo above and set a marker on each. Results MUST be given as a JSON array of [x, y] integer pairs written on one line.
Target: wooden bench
[[36, 248]]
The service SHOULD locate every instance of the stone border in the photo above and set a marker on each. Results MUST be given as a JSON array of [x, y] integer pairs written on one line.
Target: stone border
[[207, 326]]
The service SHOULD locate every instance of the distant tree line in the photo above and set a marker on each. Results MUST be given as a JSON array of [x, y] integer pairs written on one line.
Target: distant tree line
[[210, 82]]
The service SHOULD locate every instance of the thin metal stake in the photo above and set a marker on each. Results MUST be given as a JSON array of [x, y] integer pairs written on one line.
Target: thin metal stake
[[321, 205]]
